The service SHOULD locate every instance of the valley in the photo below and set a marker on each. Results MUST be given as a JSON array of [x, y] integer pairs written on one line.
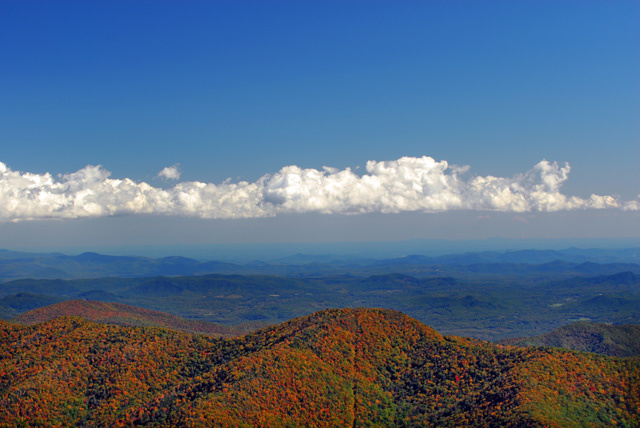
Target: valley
[[468, 295]]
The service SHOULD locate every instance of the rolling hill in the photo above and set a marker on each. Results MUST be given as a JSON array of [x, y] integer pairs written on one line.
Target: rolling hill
[[342, 367], [488, 309], [614, 340], [118, 313]]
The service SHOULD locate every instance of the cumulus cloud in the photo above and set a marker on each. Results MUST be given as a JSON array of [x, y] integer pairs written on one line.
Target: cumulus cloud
[[170, 173], [406, 184]]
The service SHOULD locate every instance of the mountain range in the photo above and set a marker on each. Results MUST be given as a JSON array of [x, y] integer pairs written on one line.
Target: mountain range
[[485, 308], [17, 265]]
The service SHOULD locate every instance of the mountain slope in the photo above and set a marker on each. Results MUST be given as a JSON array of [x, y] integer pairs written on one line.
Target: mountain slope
[[118, 313], [345, 367], [613, 340]]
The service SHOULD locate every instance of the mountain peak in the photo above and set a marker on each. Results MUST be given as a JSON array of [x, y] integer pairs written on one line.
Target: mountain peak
[[338, 367]]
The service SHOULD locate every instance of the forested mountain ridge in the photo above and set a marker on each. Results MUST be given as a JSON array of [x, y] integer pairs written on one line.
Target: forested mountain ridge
[[343, 367], [613, 340], [118, 313]]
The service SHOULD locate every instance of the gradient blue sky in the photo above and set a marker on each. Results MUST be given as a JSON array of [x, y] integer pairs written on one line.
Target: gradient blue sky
[[229, 89]]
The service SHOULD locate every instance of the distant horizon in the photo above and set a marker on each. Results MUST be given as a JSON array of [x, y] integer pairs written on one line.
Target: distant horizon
[[246, 252]]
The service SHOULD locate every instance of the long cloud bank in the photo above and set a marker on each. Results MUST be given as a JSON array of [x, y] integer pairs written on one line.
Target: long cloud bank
[[407, 184]]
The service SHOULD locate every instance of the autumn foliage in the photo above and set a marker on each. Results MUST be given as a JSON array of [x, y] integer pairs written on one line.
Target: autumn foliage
[[347, 367]]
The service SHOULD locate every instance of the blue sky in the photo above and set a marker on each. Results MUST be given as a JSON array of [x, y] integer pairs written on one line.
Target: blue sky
[[237, 90]]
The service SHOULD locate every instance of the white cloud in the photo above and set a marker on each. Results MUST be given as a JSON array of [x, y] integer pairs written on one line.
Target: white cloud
[[170, 173], [407, 184]]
